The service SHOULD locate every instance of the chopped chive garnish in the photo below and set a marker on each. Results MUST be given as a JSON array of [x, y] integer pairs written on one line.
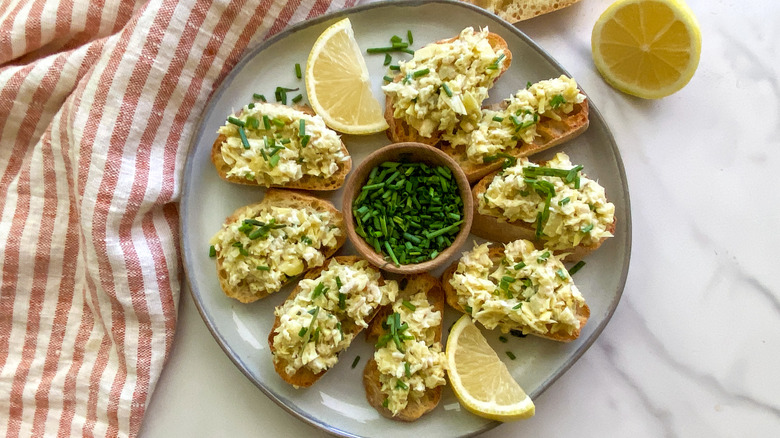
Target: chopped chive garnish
[[263, 268], [407, 370], [498, 119], [518, 305], [400, 384], [447, 89], [388, 59], [302, 127], [355, 362], [409, 305], [557, 101], [252, 122], [212, 251], [503, 339], [297, 98], [576, 267], [385, 402], [543, 258], [302, 331], [421, 72], [395, 39], [494, 65], [519, 266], [238, 122], [587, 228], [305, 140], [561, 274], [342, 301], [318, 290], [511, 355], [395, 67], [297, 70], [242, 134], [409, 37], [388, 79], [383, 49], [564, 201], [259, 97], [528, 85], [266, 122]]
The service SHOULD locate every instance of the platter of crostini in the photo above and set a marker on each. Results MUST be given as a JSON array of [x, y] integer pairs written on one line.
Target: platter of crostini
[[331, 257]]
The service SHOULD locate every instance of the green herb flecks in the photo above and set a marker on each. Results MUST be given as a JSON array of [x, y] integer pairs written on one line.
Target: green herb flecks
[[410, 212], [574, 269]]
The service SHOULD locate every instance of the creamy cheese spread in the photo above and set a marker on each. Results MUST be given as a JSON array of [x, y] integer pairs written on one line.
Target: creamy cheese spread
[[577, 215], [261, 251], [318, 322], [443, 86], [278, 150], [529, 289], [499, 130], [406, 373]]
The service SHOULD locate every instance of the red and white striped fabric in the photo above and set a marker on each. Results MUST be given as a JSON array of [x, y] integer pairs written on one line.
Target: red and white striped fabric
[[97, 105]]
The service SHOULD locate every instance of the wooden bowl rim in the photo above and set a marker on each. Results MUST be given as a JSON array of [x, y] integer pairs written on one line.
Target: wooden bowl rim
[[390, 153]]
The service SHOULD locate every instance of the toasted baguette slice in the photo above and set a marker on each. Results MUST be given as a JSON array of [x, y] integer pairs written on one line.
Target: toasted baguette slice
[[551, 133], [499, 230], [519, 10], [496, 254], [306, 182], [400, 131], [279, 198], [304, 377], [409, 285]]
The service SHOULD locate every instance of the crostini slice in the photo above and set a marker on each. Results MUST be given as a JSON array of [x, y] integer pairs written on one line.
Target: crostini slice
[[545, 114], [517, 287], [553, 204], [433, 94], [405, 384], [274, 145], [261, 247], [322, 316]]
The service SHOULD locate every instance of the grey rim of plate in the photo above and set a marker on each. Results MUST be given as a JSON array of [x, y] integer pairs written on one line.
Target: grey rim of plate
[[188, 254]]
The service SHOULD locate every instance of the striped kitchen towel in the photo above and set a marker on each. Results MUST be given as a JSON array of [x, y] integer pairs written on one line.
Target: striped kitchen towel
[[98, 101]]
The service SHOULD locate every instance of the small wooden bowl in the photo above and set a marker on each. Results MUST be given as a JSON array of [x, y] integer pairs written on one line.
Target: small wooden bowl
[[415, 152]]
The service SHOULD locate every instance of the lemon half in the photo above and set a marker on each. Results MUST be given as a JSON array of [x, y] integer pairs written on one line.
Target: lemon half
[[647, 48]]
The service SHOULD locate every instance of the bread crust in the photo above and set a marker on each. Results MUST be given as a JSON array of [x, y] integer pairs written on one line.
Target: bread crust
[[279, 198], [307, 182], [498, 230], [416, 408], [496, 254], [304, 377], [551, 133], [399, 131], [514, 11]]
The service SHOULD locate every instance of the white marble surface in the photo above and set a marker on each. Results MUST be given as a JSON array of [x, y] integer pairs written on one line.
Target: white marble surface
[[694, 346]]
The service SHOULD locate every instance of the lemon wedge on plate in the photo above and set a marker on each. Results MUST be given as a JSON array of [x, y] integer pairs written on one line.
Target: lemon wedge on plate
[[338, 85], [647, 48], [479, 379]]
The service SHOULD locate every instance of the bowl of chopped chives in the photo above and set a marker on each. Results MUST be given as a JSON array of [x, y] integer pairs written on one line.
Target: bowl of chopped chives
[[408, 208]]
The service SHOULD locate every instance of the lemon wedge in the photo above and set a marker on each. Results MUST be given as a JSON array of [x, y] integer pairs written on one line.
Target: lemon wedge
[[480, 380], [647, 48], [338, 85]]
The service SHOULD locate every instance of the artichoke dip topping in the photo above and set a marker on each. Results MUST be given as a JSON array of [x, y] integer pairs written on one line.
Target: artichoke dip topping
[[321, 320], [566, 208], [409, 359], [443, 86], [499, 130], [529, 289], [262, 250], [273, 145]]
